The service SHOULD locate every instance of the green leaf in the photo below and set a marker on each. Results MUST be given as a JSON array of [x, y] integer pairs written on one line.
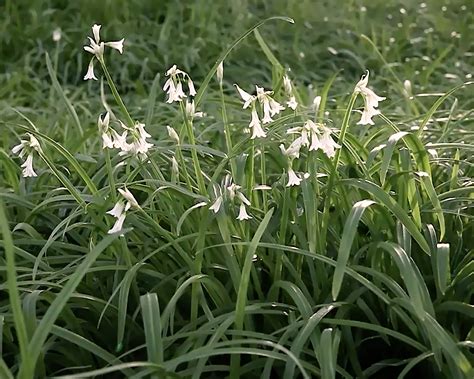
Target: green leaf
[[350, 229]]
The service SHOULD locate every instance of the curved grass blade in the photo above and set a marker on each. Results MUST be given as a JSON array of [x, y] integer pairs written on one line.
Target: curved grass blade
[[211, 73], [243, 287], [392, 205], [152, 323], [13, 293], [350, 229], [44, 327]]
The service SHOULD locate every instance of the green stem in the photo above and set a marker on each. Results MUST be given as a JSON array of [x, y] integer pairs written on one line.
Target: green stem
[[115, 93], [194, 156], [334, 174], [228, 139]]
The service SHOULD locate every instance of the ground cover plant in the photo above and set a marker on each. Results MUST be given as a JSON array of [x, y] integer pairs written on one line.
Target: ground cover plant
[[236, 189]]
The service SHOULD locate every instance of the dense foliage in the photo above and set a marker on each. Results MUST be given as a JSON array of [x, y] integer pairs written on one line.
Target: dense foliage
[[238, 257]]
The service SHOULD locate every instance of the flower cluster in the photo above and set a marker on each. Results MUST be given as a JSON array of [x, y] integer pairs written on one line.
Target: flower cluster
[[174, 85], [313, 136], [119, 211], [96, 48], [27, 148], [138, 144], [270, 108], [371, 100], [230, 191]]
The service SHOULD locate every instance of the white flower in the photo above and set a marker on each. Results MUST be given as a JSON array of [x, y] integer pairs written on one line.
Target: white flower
[[20, 148], [192, 90], [242, 198], [287, 84], [172, 134], [90, 71], [270, 106], [293, 150], [232, 189], [316, 103], [256, 126], [174, 87], [191, 111], [57, 35], [27, 148], [120, 140], [243, 215], [220, 72], [96, 48], [103, 125], [327, 144], [292, 103], [293, 179], [174, 166], [127, 195], [118, 224], [371, 100], [28, 167], [217, 204], [246, 97], [118, 209]]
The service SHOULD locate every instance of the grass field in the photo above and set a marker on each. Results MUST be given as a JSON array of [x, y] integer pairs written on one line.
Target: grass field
[[300, 219]]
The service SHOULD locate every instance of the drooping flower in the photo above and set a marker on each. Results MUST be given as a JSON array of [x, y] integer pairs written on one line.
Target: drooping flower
[[96, 48], [231, 192], [256, 126], [138, 145], [172, 134], [270, 106], [28, 167], [292, 103], [103, 125], [371, 100], [246, 97], [174, 87], [119, 211], [327, 144], [191, 110], [243, 215], [57, 34], [220, 72], [293, 179], [27, 148]]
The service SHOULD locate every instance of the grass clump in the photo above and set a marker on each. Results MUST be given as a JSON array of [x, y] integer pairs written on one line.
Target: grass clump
[[224, 201]]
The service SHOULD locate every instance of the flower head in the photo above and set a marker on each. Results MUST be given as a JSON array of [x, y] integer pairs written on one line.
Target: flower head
[[293, 179], [27, 148], [96, 48], [371, 100], [220, 72], [174, 85], [292, 103], [119, 211], [243, 215]]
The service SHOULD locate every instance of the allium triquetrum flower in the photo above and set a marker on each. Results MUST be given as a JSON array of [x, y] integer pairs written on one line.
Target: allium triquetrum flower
[[120, 209], [270, 107], [371, 100], [96, 48], [174, 85], [293, 179], [292, 103], [231, 192], [103, 124], [27, 148]]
